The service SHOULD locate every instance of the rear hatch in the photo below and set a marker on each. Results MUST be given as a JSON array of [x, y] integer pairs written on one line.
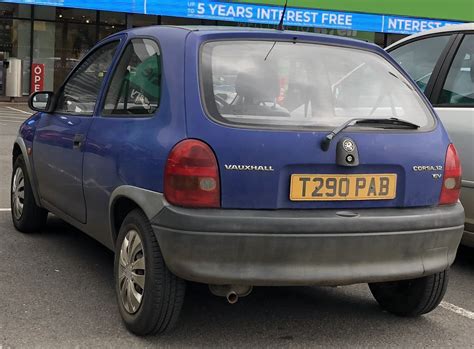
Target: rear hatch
[[264, 108]]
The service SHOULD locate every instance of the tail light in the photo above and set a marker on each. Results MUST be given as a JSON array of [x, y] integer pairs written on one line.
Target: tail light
[[192, 176], [452, 177]]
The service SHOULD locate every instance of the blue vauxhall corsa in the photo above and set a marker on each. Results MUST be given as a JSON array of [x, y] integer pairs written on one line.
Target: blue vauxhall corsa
[[240, 158]]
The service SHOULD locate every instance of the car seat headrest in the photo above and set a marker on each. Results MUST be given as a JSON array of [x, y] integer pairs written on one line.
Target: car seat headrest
[[259, 82]]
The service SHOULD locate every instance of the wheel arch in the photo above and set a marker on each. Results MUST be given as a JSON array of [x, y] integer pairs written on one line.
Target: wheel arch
[[19, 148], [126, 198], [16, 152]]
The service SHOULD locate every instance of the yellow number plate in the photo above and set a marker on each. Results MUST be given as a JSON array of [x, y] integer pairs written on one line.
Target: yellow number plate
[[334, 187]]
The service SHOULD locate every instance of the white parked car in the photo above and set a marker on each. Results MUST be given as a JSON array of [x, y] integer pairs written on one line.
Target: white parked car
[[441, 61]]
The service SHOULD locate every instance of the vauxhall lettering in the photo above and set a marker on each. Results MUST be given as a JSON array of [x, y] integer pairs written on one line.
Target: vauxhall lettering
[[248, 168]]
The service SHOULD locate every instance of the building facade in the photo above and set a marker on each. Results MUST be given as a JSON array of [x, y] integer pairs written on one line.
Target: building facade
[[50, 36]]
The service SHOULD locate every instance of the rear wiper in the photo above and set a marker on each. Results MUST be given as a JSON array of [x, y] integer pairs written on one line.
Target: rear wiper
[[393, 122]]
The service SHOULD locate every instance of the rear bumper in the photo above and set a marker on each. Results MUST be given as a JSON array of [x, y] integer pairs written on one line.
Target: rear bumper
[[307, 247]]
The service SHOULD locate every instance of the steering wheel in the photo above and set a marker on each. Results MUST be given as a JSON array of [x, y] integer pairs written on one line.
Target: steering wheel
[[221, 103], [72, 101]]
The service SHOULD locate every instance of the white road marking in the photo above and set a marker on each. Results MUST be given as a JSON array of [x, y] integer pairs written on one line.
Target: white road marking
[[19, 110], [12, 112], [12, 117], [5, 209], [457, 310], [15, 121]]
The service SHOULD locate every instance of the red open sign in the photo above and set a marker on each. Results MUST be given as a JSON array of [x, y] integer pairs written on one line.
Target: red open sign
[[37, 77]]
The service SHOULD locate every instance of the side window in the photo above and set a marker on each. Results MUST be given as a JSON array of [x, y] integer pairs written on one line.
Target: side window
[[136, 84], [79, 94], [459, 85], [419, 57]]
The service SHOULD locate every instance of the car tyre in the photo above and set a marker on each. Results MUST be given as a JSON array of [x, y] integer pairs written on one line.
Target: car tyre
[[149, 296], [27, 217], [411, 298]]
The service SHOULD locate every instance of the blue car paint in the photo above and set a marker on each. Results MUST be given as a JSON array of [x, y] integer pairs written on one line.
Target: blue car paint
[[133, 151], [58, 165]]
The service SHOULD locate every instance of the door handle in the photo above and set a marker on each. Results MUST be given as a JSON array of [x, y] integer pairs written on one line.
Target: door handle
[[78, 141]]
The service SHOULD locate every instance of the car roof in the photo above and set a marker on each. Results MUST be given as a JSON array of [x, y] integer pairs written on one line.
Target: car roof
[[229, 30], [455, 28]]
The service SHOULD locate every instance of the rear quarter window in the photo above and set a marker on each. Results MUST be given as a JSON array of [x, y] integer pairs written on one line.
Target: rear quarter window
[[301, 85]]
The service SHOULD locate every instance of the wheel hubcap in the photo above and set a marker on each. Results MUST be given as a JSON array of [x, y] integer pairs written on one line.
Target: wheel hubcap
[[18, 193], [131, 274]]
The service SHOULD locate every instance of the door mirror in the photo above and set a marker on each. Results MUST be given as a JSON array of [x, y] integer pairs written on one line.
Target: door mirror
[[41, 101]]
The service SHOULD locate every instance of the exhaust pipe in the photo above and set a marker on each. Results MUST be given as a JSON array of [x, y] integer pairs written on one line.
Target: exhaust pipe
[[231, 292], [232, 297]]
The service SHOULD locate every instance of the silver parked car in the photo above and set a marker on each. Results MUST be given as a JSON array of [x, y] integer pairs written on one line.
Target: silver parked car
[[441, 61]]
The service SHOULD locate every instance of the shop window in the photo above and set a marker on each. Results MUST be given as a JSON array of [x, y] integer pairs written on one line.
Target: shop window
[[136, 84], [47, 13], [110, 23], [392, 38], [79, 94], [379, 39], [226, 23], [6, 36], [106, 30], [44, 50], [76, 15], [14, 10], [459, 86], [15, 43], [112, 18], [208, 22], [136, 20], [179, 21]]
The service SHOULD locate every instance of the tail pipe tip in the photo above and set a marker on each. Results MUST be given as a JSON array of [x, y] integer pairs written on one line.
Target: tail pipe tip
[[232, 297]]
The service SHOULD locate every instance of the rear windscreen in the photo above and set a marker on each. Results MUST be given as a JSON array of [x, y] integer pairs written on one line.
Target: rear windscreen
[[293, 85]]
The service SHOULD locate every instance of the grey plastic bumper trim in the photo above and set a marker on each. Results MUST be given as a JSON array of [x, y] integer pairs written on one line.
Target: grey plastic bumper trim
[[151, 202], [315, 247], [467, 184], [309, 221]]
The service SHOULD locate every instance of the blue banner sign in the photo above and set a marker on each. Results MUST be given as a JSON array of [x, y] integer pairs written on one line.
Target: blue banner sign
[[253, 13]]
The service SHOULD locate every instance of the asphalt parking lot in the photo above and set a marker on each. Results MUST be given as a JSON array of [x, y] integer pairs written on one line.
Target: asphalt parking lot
[[56, 289]]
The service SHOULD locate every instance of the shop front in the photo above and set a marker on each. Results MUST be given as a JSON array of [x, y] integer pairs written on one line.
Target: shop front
[[48, 37]]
